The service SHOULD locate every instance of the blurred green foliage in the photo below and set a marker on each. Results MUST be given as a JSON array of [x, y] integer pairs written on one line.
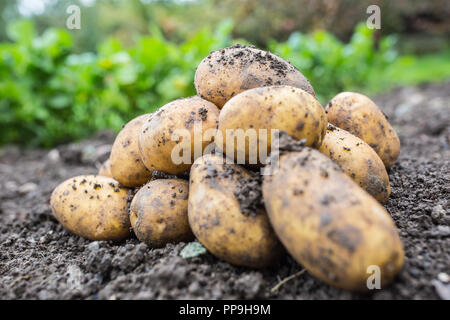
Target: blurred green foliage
[[49, 95]]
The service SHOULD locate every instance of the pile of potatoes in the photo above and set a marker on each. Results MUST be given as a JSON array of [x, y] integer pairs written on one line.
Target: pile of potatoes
[[321, 203]]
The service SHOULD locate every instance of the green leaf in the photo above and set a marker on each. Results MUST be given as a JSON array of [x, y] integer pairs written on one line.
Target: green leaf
[[21, 31], [192, 250]]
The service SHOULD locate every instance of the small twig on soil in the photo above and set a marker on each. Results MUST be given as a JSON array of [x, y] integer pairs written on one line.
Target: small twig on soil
[[279, 284], [26, 277]]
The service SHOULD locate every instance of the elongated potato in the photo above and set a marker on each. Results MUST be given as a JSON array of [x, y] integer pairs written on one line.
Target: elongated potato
[[361, 117], [125, 160], [335, 229], [105, 169], [358, 160], [158, 213], [92, 207], [285, 108], [227, 72], [217, 221], [168, 140]]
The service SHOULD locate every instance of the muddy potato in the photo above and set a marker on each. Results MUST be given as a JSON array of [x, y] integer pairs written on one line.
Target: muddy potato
[[92, 207], [331, 226], [170, 131], [215, 216], [358, 160], [158, 213], [285, 108], [361, 117], [125, 160], [227, 72], [105, 169]]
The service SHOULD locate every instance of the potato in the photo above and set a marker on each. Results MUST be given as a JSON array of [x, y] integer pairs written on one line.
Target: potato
[[92, 207], [361, 117], [159, 136], [125, 159], [276, 107], [215, 216], [328, 224], [105, 169], [227, 72], [158, 213], [358, 160]]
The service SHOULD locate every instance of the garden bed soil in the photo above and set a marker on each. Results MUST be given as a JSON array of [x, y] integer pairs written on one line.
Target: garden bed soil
[[39, 259]]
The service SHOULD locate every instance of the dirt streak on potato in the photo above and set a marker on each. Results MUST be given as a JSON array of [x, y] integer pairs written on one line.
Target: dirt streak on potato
[[361, 117], [358, 160], [155, 140], [158, 213], [285, 108], [105, 169], [227, 72], [125, 160], [217, 221], [92, 207], [331, 226]]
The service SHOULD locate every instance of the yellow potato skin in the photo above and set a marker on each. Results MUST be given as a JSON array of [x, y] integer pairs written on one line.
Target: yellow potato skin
[[155, 141], [158, 213], [125, 160], [105, 169], [276, 107], [93, 207], [230, 71], [359, 161], [216, 219], [328, 224], [361, 117]]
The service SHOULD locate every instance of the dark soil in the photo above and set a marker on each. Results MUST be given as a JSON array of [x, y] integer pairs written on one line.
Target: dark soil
[[41, 260]]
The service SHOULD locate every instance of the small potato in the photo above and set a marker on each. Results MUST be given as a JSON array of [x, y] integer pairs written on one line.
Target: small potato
[[227, 72], [361, 117], [285, 108], [92, 207], [358, 160], [158, 213], [168, 141], [335, 229], [217, 221], [105, 169], [125, 159]]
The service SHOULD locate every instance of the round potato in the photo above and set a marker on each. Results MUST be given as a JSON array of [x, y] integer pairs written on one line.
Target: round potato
[[361, 117], [335, 229], [125, 159], [227, 72], [283, 108], [158, 213], [358, 160], [105, 169], [92, 207], [216, 218], [169, 140]]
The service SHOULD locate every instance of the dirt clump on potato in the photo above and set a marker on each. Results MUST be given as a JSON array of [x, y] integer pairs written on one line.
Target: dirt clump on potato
[[218, 222]]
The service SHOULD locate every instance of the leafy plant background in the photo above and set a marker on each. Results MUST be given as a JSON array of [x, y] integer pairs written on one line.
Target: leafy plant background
[[51, 95]]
